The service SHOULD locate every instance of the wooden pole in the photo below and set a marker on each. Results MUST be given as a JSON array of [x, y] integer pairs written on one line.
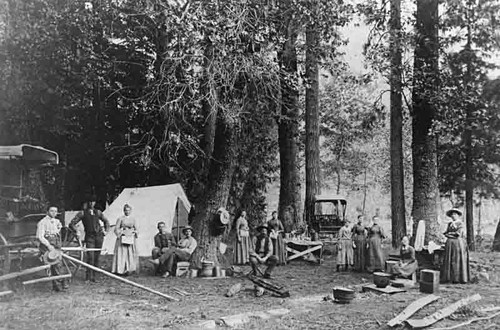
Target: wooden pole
[[23, 272], [6, 293], [118, 278], [47, 279]]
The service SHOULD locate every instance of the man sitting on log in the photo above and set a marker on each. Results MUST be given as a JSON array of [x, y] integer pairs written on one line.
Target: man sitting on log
[[48, 233], [163, 241], [262, 253], [182, 252]]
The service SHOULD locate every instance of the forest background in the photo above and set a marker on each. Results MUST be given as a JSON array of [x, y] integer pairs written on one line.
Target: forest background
[[214, 95]]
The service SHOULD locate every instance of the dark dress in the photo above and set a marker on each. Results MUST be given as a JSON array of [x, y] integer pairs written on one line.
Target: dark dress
[[279, 249], [359, 240], [375, 256], [408, 264], [455, 266]]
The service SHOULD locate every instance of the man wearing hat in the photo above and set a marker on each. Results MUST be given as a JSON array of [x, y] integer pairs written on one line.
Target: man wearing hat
[[263, 252], [182, 252], [94, 232], [48, 233]]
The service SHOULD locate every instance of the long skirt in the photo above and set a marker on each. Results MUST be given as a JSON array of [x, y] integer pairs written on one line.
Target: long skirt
[[406, 269], [359, 253], [345, 253], [125, 259], [242, 251], [279, 249], [375, 256], [455, 266]]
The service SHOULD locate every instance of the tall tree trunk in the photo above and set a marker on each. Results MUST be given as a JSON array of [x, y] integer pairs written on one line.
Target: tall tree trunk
[[496, 240], [221, 169], [288, 131], [398, 221], [424, 144], [469, 179], [312, 118]]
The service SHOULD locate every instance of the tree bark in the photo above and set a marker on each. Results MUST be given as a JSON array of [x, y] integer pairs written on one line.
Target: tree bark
[[398, 221], [206, 230], [469, 177], [424, 144], [288, 130], [496, 240], [312, 119]]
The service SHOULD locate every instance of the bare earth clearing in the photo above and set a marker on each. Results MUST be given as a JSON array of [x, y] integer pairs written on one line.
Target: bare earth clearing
[[112, 305]]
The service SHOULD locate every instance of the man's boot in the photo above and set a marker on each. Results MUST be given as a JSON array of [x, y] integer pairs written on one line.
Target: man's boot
[[338, 268]]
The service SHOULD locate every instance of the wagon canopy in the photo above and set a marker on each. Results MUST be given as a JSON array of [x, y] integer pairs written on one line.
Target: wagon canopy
[[29, 153]]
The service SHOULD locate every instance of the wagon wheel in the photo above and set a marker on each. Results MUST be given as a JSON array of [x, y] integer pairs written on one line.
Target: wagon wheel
[[71, 240], [4, 256]]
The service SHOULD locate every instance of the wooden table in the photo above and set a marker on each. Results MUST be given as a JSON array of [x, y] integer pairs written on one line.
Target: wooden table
[[308, 247]]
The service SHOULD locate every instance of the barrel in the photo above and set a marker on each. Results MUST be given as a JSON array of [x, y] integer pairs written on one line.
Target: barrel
[[207, 268]]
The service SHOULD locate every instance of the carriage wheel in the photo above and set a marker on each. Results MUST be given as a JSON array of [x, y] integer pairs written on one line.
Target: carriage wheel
[[4, 256], [71, 240]]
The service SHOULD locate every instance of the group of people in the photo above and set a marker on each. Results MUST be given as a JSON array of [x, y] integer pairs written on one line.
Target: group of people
[[360, 247]]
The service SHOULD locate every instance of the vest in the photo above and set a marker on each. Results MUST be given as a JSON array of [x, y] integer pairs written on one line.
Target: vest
[[266, 245], [91, 222]]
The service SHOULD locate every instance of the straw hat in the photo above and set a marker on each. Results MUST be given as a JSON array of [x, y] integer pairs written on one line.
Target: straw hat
[[52, 257], [453, 210], [186, 228]]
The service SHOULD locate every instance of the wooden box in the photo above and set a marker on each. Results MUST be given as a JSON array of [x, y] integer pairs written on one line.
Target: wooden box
[[429, 276], [428, 287]]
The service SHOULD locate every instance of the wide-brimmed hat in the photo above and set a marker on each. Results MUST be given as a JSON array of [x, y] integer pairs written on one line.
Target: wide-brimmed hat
[[262, 226], [186, 228], [453, 210], [52, 257]]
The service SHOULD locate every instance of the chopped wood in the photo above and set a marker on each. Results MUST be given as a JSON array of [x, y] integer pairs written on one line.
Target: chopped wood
[[46, 279], [6, 293], [442, 313], [118, 278], [10, 276], [278, 290], [412, 309], [469, 322]]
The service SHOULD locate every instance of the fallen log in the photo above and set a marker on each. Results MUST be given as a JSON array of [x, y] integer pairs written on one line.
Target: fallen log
[[469, 322], [412, 309], [47, 279], [278, 290], [10, 276], [118, 278], [442, 313]]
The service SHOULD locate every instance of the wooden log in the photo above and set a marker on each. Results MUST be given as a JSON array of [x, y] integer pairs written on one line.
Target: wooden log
[[442, 313], [118, 278], [412, 309], [234, 289], [469, 322], [278, 290], [6, 293], [23, 272], [47, 279]]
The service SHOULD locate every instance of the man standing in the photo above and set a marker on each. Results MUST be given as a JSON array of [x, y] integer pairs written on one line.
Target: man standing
[[185, 248], [163, 241], [94, 233], [263, 253], [48, 233]]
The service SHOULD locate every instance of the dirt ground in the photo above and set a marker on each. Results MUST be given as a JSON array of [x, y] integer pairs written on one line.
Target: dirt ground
[[109, 304]]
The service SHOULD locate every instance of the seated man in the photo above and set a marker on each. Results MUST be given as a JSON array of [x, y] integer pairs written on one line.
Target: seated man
[[185, 248], [408, 264], [163, 241], [262, 252]]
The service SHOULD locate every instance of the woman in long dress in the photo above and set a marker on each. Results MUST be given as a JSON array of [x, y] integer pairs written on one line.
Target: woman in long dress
[[375, 255], [345, 254], [125, 260], [242, 246], [359, 244], [407, 264], [276, 235], [455, 266]]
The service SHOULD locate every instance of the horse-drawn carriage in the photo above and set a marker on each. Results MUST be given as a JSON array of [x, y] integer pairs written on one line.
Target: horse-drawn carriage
[[23, 170], [329, 214]]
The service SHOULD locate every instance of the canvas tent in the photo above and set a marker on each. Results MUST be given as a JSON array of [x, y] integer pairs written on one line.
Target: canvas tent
[[150, 205]]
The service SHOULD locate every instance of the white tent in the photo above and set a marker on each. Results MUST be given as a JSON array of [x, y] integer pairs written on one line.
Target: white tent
[[150, 205]]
